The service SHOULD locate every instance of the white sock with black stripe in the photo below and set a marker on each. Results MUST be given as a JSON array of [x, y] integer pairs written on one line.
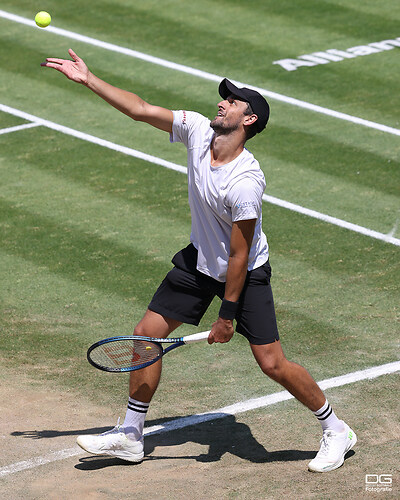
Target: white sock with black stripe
[[328, 419], [134, 419]]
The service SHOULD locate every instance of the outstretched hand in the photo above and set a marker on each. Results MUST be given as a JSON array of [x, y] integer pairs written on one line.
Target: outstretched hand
[[76, 70]]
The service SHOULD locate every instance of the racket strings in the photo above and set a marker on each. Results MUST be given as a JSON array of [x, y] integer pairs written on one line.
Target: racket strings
[[125, 353]]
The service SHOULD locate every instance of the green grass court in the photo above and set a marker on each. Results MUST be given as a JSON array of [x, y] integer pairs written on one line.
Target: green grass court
[[87, 233]]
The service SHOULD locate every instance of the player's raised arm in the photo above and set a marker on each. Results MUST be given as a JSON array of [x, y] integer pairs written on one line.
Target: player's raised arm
[[126, 102]]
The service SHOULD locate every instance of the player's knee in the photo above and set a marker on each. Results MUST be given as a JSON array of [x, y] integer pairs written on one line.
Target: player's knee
[[273, 368], [139, 330]]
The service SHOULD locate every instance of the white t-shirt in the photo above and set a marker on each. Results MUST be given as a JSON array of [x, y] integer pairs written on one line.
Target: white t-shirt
[[219, 196]]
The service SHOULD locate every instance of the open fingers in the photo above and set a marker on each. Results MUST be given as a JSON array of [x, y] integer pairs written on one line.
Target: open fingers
[[51, 65], [53, 60], [56, 60], [73, 55]]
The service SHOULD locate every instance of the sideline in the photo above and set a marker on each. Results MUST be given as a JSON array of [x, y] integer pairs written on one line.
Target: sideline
[[388, 238], [201, 74], [180, 423]]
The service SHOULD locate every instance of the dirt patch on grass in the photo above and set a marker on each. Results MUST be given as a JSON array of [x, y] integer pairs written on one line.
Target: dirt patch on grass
[[255, 455]]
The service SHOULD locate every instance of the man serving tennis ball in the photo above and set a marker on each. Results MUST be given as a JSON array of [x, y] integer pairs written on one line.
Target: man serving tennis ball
[[228, 256]]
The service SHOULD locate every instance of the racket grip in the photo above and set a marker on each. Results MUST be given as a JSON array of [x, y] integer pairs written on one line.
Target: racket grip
[[196, 337]]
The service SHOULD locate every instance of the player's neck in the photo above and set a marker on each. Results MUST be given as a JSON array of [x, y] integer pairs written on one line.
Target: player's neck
[[225, 148]]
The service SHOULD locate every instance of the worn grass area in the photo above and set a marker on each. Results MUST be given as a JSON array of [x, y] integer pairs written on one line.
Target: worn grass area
[[259, 454]]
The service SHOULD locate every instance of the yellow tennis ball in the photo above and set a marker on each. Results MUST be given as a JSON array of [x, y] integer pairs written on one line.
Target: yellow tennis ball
[[42, 19]]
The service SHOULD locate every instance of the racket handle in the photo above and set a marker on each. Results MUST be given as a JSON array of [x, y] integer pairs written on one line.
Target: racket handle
[[196, 337]]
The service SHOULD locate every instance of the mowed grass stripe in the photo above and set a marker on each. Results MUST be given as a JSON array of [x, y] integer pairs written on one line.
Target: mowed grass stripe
[[35, 226], [353, 214], [391, 224], [176, 91], [7, 121], [80, 255], [78, 189], [38, 302], [101, 234], [119, 179], [116, 193], [204, 74], [311, 191], [344, 163], [325, 324]]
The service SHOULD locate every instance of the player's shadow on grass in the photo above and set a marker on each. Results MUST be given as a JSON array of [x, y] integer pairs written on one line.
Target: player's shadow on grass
[[222, 435], [51, 433]]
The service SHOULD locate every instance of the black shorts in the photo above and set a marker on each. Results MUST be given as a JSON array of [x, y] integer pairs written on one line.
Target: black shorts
[[185, 294]]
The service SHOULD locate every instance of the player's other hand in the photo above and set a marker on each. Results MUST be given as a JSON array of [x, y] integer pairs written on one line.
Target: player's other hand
[[221, 331], [76, 70]]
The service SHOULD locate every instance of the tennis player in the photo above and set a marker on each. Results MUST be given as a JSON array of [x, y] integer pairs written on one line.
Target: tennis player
[[228, 257]]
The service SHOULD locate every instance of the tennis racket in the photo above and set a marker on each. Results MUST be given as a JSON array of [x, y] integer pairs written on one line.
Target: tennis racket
[[133, 352]]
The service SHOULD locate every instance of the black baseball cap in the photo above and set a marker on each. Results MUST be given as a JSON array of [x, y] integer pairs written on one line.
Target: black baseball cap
[[257, 102]]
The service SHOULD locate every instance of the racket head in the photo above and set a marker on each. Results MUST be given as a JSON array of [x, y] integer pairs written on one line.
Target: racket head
[[124, 354]]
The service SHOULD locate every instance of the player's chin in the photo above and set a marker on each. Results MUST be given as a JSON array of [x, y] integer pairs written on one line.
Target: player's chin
[[216, 122], [219, 127]]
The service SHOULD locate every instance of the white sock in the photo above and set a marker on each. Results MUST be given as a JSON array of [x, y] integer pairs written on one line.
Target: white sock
[[134, 419], [328, 419]]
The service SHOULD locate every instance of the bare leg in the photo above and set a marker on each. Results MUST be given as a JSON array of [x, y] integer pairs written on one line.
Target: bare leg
[[126, 441], [290, 375], [143, 383]]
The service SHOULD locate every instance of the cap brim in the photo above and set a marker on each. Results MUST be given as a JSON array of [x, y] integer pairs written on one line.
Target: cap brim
[[227, 88]]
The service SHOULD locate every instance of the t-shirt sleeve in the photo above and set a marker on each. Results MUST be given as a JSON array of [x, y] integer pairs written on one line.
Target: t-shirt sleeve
[[245, 200], [184, 125]]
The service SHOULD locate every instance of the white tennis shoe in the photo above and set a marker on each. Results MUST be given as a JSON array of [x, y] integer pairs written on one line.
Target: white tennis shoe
[[114, 443], [334, 446]]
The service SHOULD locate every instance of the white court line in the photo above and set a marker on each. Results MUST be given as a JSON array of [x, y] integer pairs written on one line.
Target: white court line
[[271, 399], [181, 423], [93, 139], [201, 74], [388, 238], [17, 128]]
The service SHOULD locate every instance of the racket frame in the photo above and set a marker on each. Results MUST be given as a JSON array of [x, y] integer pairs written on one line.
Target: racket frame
[[175, 342]]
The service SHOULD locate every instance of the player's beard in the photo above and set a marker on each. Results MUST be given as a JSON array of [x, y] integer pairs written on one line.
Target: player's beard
[[222, 128]]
